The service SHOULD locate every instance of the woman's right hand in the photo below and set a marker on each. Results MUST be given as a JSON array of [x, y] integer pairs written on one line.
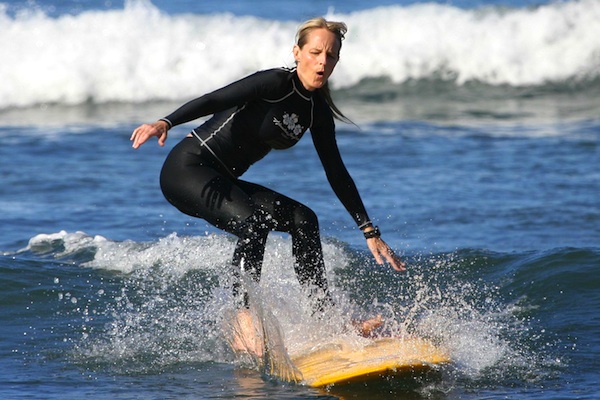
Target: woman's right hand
[[142, 133]]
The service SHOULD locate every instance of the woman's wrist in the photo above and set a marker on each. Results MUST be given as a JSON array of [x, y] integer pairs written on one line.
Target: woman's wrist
[[365, 225], [167, 122], [371, 232]]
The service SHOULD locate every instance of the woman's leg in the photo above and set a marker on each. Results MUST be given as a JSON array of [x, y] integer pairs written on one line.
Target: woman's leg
[[249, 211], [288, 215], [196, 187]]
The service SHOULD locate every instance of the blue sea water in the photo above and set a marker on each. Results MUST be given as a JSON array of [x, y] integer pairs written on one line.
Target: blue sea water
[[476, 149]]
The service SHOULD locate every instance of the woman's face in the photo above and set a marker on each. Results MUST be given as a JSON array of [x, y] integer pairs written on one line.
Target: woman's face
[[316, 60]]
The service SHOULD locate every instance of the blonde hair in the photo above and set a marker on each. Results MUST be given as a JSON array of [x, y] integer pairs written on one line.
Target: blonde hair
[[339, 29]]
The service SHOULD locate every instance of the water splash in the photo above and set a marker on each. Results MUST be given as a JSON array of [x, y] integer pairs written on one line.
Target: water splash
[[173, 300]]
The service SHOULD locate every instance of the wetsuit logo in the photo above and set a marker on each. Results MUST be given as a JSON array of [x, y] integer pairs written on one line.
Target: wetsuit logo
[[290, 126]]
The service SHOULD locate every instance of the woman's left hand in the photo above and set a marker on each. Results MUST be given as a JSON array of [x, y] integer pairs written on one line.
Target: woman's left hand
[[382, 251]]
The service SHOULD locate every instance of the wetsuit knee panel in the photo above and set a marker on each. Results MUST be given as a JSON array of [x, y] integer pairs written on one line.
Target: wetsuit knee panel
[[305, 217]]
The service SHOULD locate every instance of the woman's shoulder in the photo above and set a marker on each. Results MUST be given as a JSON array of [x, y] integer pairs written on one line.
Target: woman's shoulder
[[270, 82], [275, 74]]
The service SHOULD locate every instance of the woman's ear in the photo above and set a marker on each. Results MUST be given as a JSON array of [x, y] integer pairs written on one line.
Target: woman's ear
[[296, 52]]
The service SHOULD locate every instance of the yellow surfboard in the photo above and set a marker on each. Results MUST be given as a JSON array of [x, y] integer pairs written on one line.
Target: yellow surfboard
[[342, 363], [336, 361]]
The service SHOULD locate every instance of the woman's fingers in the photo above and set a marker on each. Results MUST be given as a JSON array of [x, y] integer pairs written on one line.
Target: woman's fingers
[[379, 248], [142, 133]]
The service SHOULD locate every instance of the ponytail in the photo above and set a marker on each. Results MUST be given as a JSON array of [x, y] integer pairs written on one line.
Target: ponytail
[[334, 109]]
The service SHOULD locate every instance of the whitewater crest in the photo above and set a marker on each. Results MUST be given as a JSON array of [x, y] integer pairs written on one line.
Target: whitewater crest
[[108, 56]]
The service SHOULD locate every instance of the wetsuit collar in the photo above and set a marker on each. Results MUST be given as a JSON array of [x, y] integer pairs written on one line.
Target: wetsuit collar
[[299, 87]]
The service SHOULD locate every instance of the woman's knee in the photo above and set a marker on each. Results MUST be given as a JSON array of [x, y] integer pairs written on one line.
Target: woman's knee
[[305, 218]]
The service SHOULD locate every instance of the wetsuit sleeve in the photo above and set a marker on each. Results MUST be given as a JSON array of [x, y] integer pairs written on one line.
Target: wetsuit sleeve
[[340, 180], [235, 94]]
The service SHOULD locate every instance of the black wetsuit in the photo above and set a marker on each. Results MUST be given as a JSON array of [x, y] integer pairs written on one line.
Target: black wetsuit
[[264, 111]]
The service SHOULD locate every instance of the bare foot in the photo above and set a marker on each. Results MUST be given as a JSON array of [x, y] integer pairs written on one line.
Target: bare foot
[[246, 337], [366, 328]]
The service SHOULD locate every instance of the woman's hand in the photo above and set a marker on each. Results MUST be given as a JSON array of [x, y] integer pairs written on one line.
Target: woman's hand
[[142, 133], [382, 251]]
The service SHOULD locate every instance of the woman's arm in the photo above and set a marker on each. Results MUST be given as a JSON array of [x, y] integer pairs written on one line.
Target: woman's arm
[[252, 87], [344, 187], [237, 93]]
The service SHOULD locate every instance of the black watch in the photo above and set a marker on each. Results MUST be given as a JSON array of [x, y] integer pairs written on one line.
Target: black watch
[[375, 233]]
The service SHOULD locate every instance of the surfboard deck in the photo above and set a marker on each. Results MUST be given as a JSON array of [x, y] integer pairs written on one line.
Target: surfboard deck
[[336, 361], [339, 362]]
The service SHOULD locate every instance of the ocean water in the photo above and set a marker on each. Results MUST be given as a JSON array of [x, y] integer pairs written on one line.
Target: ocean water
[[476, 149]]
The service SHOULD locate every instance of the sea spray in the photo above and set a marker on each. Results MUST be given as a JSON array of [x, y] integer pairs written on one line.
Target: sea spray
[[442, 297], [171, 299]]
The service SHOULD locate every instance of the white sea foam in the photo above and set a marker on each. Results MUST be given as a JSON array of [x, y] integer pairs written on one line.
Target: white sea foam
[[141, 54], [172, 284]]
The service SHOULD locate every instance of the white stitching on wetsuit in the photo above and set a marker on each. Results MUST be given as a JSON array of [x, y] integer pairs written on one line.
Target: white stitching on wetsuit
[[213, 134]]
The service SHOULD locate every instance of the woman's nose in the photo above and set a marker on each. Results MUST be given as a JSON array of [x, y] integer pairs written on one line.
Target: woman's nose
[[323, 59]]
